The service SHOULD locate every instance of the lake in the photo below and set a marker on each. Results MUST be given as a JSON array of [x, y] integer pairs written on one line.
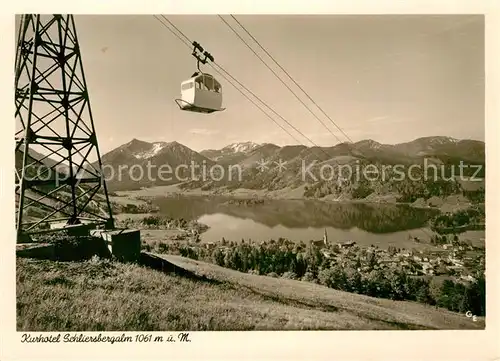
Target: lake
[[383, 225]]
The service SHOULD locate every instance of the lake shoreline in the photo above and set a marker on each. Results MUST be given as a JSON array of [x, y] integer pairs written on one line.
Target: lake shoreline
[[248, 214], [299, 220], [445, 205]]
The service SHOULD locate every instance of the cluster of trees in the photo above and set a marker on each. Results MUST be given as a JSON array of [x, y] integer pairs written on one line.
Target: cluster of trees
[[363, 190], [245, 202], [277, 257], [437, 239], [287, 259], [146, 207], [476, 196], [460, 297], [134, 208], [465, 217], [321, 189], [396, 285], [410, 190], [162, 222]]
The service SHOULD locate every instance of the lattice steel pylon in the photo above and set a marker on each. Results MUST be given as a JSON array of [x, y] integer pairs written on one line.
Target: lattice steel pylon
[[59, 178]]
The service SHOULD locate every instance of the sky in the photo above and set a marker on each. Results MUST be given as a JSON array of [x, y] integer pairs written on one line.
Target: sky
[[390, 78]]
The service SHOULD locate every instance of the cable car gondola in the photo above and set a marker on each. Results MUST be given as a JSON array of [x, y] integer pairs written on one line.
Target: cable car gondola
[[201, 93]]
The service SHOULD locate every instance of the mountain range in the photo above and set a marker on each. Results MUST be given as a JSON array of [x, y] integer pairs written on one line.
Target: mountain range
[[169, 162], [246, 155]]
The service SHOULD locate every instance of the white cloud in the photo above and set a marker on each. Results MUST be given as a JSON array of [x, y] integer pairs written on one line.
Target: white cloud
[[202, 131], [378, 118]]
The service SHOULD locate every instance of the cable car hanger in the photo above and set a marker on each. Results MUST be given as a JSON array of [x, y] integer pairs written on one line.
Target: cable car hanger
[[201, 93], [207, 55]]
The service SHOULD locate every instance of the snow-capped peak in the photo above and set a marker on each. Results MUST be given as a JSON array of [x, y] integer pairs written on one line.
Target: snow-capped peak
[[155, 149], [440, 140], [241, 147], [451, 140]]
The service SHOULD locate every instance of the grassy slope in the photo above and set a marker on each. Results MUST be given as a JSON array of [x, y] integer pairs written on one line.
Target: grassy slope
[[59, 296]]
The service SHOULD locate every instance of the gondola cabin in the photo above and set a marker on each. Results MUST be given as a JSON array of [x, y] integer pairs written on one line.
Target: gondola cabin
[[201, 93]]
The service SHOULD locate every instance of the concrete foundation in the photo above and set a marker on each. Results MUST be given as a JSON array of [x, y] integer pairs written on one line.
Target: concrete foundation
[[124, 244], [76, 230], [36, 250]]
